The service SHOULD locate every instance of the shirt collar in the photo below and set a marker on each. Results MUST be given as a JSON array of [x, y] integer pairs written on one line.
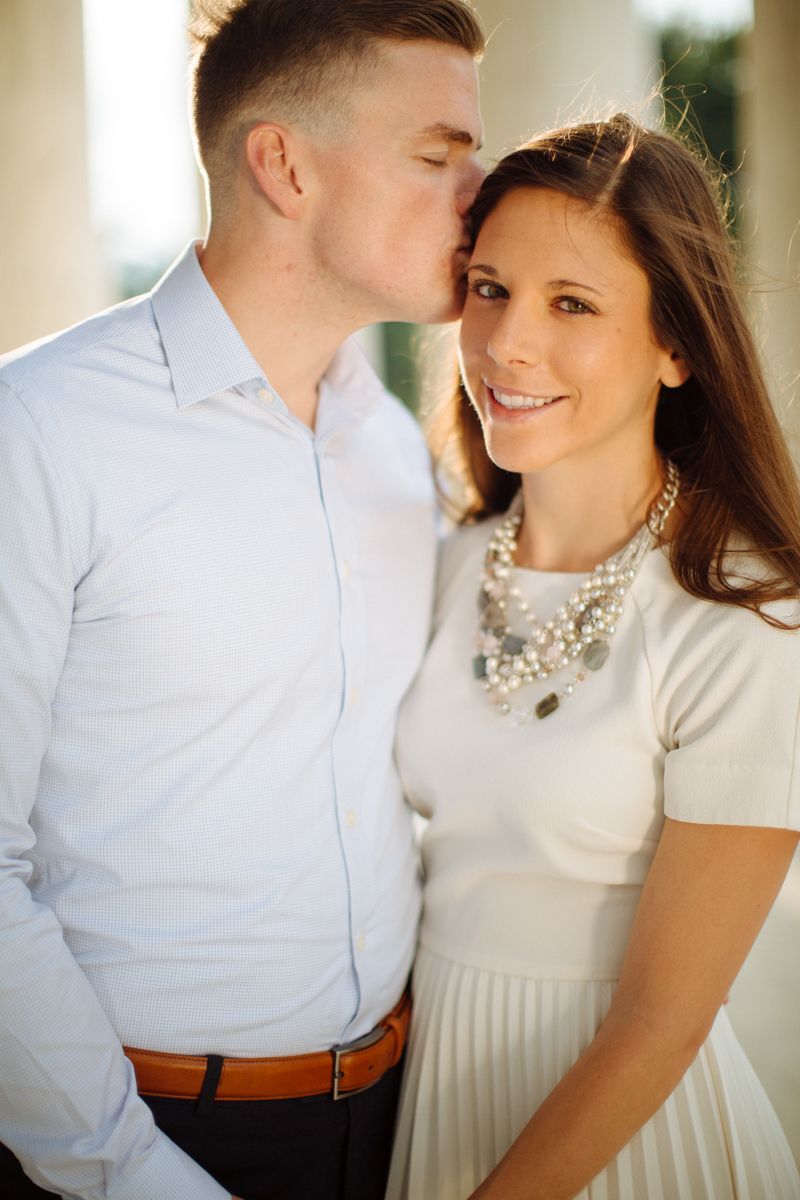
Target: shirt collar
[[349, 391], [206, 354]]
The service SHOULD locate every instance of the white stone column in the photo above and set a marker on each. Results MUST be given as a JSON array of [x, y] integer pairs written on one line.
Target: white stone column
[[771, 126], [551, 60], [50, 276]]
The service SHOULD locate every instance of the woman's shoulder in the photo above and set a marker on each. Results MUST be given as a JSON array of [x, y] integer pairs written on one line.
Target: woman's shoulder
[[677, 618], [460, 559], [692, 643], [726, 697], [462, 549]]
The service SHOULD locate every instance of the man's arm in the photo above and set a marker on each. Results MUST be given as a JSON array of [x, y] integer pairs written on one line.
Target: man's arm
[[68, 1103]]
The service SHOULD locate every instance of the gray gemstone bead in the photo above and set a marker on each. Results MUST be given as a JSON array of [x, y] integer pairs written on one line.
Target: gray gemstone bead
[[513, 644], [483, 599], [479, 666], [595, 655], [547, 706], [493, 616]]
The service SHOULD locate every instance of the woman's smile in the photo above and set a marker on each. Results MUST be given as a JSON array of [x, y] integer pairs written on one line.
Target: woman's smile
[[514, 401], [507, 403]]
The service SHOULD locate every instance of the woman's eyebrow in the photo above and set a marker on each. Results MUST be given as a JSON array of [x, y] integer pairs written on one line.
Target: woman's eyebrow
[[558, 284], [554, 285]]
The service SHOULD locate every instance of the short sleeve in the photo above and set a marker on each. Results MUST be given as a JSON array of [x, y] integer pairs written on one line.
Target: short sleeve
[[727, 696]]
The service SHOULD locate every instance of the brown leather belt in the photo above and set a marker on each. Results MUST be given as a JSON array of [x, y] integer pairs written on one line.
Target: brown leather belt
[[342, 1071]]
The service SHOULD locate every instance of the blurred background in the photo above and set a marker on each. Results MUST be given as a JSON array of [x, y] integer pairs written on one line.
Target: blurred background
[[100, 192]]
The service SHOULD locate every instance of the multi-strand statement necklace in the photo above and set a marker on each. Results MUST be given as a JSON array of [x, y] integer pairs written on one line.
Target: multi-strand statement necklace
[[581, 628]]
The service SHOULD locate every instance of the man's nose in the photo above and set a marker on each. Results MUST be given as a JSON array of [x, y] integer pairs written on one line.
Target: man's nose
[[469, 189]]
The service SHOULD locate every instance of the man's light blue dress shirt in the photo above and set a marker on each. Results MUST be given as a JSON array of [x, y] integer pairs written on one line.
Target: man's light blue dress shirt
[[209, 616]]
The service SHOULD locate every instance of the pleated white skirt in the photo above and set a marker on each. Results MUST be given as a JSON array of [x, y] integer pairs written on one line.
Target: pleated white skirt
[[484, 1052]]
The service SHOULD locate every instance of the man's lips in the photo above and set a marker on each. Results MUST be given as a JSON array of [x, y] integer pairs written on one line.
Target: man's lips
[[514, 401]]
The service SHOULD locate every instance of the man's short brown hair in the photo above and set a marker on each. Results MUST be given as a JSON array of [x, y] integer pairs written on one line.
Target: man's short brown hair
[[300, 61]]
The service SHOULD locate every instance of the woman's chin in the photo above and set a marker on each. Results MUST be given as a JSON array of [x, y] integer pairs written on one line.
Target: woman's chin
[[517, 464], [519, 455]]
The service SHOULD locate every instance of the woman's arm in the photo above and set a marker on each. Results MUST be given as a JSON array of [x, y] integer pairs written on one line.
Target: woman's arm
[[706, 897]]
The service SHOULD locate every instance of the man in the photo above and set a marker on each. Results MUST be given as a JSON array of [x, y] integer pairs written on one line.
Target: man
[[215, 574]]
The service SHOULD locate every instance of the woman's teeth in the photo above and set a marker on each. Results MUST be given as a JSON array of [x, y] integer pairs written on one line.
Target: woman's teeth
[[522, 401]]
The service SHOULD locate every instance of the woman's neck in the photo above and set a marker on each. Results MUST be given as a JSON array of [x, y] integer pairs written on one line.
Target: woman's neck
[[579, 513]]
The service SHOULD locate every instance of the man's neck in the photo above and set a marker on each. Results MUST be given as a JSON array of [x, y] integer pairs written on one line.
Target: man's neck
[[279, 306]]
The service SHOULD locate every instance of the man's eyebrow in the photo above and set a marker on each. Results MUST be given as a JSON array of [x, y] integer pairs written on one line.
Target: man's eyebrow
[[448, 133]]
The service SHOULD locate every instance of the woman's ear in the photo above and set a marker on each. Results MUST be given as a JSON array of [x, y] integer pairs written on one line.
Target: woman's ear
[[676, 370], [273, 156]]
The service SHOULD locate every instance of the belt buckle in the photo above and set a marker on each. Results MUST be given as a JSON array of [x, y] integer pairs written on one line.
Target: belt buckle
[[369, 1039]]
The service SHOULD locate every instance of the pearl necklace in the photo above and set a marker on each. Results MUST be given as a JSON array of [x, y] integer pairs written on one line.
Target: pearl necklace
[[581, 628]]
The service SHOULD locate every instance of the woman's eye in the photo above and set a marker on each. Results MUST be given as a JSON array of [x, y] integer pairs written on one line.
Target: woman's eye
[[488, 291], [571, 304]]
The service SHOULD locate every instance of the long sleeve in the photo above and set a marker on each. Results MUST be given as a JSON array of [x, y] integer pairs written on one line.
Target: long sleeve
[[68, 1103]]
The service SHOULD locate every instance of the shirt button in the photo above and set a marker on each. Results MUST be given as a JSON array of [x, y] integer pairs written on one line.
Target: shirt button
[[266, 395], [362, 941], [351, 818], [354, 695]]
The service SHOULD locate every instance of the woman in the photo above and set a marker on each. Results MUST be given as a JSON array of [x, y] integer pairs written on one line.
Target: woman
[[608, 765]]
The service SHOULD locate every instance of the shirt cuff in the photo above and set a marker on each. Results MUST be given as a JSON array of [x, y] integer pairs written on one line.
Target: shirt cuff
[[164, 1173]]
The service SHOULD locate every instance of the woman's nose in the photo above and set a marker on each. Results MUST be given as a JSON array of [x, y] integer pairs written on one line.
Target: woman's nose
[[515, 340]]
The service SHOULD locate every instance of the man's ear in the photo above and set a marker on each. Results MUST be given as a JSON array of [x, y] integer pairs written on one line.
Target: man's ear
[[272, 154], [676, 371]]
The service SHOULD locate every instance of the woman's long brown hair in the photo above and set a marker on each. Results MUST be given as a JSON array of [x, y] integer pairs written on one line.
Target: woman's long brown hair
[[739, 491]]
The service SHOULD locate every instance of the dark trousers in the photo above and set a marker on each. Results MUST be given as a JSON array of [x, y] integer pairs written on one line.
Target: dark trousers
[[310, 1149]]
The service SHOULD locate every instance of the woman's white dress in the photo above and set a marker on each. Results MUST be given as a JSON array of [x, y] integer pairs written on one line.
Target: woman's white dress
[[539, 841]]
